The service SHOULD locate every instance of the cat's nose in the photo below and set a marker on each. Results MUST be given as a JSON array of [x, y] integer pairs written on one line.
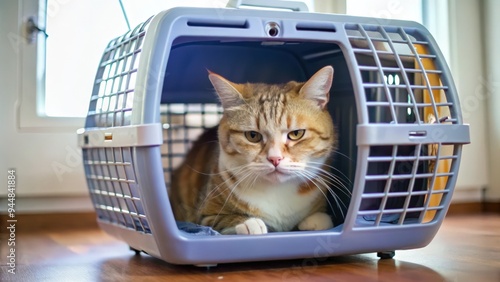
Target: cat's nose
[[274, 160]]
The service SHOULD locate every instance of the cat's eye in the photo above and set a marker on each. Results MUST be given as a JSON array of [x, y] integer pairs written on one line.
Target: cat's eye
[[296, 134], [253, 136]]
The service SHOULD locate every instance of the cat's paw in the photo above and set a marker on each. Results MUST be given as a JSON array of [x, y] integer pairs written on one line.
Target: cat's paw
[[252, 226], [316, 221]]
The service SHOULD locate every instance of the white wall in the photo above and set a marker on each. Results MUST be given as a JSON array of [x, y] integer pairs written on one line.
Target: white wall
[[467, 66], [491, 10], [46, 160]]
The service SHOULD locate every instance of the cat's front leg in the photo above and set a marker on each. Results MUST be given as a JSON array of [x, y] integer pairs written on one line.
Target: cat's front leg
[[235, 224], [251, 226], [316, 221]]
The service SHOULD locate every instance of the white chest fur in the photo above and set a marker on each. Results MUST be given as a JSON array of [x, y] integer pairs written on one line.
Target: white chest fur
[[281, 206]]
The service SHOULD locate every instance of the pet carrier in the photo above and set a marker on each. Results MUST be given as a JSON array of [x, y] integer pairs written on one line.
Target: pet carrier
[[393, 102]]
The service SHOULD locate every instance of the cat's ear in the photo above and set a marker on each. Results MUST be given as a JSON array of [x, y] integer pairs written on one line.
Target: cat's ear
[[317, 88], [228, 92]]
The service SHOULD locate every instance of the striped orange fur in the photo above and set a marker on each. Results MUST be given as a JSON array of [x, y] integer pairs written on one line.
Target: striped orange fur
[[262, 169]]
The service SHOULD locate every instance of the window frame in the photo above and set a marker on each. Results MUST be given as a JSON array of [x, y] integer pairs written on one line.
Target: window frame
[[31, 102]]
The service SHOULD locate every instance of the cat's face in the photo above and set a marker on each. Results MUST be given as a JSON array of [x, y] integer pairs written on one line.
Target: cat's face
[[275, 133]]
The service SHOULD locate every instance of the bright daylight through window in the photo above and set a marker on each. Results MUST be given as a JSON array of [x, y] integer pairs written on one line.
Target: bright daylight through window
[[78, 33]]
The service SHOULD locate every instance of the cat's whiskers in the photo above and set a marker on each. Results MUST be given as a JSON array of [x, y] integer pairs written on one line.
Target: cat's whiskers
[[297, 167], [337, 152], [349, 182], [327, 179], [241, 174], [332, 177], [216, 191], [220, 189], [218, 173], [327, 184], [333, 181], [312, 179], [234, 172], [231, 190]]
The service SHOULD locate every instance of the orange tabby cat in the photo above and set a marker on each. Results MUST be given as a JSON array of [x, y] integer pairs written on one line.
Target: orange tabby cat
[[262, 169]]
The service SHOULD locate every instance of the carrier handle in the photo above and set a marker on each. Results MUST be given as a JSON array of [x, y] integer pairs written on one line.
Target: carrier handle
[[295, 6]]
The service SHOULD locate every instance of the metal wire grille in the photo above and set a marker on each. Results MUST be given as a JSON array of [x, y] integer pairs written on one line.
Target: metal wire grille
[[113, 187], [113, 95], [182, 124]]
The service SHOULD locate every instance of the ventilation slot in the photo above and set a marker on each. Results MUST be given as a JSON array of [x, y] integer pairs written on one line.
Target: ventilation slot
[[319, 27], [221, 24]]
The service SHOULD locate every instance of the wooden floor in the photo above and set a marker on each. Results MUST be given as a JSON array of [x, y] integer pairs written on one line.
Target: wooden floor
[[466, 248]]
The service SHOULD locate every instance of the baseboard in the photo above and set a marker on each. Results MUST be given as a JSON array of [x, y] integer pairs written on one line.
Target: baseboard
[[50, 204], [465, 208], [492, 207], [51, 221], [473, 208]]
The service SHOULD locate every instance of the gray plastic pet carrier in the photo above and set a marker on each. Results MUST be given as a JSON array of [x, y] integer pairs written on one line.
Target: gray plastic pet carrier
[[393, 102]]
